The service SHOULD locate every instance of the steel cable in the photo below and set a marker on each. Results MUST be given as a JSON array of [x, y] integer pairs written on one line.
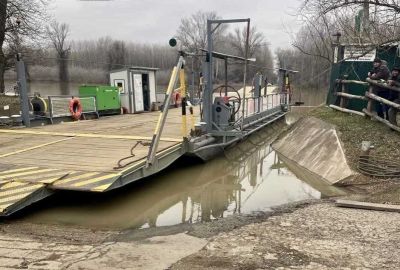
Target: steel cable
[[378, 166]]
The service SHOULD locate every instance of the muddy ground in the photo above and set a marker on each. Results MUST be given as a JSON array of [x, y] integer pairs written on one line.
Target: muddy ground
[[318, 236], [308, 235]]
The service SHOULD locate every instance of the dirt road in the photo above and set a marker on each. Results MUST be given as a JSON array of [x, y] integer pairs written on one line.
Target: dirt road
[[314, 235], [319, 236]]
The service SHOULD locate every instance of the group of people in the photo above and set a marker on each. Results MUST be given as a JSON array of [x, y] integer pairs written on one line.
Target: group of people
[[379, 72]]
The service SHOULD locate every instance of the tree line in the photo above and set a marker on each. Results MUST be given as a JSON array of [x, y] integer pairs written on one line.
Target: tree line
[[46, 47]]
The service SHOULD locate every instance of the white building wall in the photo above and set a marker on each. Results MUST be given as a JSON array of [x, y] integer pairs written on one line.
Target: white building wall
[[126, 76], [122, 76]]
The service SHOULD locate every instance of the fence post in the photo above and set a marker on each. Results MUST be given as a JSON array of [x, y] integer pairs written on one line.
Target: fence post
[[370, 100], [342, 99]]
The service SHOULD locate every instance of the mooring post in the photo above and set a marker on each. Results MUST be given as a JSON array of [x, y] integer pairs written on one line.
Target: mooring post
[[23, 92]]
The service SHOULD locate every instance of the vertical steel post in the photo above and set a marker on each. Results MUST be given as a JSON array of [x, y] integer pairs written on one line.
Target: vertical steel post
[[23, 92], [245, 66], [208, 91], [192, 83], [226, 77]]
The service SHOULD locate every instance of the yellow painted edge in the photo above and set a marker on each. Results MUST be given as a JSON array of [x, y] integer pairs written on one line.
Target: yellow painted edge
[[12, 184], [6, 176], [33, 148], [27, 190], [52, 179], [101, 188], [78, 177], [94, 180], [18, 170], [86, 135]]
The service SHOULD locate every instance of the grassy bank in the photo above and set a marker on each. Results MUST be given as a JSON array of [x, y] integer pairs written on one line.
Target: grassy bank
[[354, 129]]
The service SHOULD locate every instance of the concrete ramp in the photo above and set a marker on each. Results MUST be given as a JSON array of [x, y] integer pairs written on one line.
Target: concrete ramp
[[315, 145]]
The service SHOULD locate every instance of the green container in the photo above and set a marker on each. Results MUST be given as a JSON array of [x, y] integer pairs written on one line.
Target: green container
[[107, 97]]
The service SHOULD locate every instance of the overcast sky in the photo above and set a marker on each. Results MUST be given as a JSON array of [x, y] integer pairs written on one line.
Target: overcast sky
[[155, 21]]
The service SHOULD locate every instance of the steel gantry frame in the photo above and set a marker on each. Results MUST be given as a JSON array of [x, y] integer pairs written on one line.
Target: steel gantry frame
[[208, 92]]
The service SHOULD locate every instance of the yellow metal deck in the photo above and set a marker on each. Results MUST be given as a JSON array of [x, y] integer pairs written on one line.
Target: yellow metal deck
[[77, 155]]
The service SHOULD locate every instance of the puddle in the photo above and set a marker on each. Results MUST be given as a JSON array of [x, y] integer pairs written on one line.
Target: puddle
[[248, 177]]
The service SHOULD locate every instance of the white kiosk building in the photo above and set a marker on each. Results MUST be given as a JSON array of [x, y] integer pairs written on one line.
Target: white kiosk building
[[137, 87]]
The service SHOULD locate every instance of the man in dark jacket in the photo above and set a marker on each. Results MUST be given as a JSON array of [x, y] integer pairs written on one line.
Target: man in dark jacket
[[394, 81], [380, 72]]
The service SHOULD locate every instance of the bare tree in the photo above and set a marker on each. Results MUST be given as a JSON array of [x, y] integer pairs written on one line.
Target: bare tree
[[238, 41], [58, 34], [192, 32], [117, 55], [19, 20], [258, 48], [3, 19], [361, 21]]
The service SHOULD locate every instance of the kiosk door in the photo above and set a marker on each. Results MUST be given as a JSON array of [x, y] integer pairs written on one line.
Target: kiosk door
[[138, 92]]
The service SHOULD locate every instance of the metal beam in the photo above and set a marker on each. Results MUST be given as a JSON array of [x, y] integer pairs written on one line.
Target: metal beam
[[228, 56], [164, 113], [229, 21], [207, 100]]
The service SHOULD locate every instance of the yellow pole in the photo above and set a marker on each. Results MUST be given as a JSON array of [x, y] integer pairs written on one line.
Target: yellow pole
[[163, 114], [169, 91]]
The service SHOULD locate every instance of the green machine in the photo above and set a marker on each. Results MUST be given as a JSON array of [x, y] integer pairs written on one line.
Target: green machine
[[107, 97]]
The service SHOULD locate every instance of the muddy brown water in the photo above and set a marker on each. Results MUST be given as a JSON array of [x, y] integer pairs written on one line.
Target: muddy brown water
[[246, 178]]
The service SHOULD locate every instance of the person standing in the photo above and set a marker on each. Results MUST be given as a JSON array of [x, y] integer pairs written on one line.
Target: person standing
[[380, 72], [394, 81]]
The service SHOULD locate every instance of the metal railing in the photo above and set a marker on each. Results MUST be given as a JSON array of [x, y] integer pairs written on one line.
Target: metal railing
[[59, 106], [255, 105]]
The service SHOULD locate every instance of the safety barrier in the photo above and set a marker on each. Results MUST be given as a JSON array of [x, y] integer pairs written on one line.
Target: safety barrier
[[254, 105], [371, 98], [59, 106]]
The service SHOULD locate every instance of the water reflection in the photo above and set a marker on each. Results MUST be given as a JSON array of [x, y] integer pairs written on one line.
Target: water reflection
[[248, 177]]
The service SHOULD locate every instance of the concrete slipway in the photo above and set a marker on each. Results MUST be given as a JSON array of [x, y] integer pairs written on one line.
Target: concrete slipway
[[315, 145]]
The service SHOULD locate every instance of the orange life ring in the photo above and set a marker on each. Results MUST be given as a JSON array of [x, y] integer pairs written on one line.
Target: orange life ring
[[177, 99], [75, 108]]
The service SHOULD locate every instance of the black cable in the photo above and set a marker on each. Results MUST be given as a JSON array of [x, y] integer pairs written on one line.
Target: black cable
[[120, 165]]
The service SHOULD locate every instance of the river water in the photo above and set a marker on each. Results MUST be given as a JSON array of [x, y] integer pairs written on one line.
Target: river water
[[246, 178]]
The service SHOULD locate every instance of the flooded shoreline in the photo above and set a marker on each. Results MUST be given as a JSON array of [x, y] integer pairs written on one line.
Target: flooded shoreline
[[249, 177]]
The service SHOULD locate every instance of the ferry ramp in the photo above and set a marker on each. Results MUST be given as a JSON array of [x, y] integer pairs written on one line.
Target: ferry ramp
[[93, 156]]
